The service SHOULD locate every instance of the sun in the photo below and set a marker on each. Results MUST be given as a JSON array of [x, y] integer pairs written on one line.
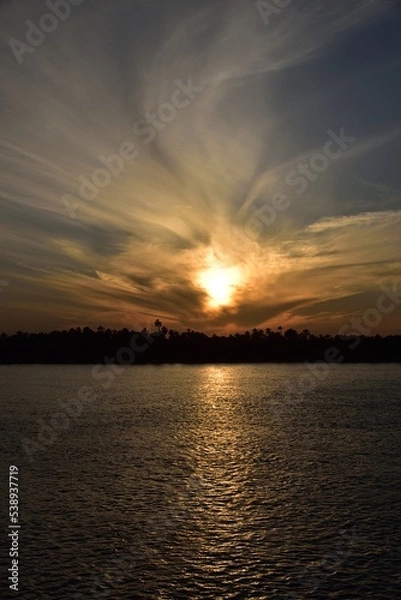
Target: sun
[[220, 282]]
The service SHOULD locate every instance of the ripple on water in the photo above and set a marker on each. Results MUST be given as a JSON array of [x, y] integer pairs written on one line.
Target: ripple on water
[[202, 487]]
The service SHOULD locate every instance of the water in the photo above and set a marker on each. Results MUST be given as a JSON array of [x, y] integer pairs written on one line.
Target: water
[[206, 482]]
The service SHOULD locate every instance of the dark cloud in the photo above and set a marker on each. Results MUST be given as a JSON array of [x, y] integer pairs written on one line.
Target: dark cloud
[[267, 95]]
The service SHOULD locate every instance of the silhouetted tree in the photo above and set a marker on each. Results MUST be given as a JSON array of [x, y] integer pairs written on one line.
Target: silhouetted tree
[[88, 346]]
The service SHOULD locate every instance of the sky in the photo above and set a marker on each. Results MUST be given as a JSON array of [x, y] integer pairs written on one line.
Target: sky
[[219, 165]]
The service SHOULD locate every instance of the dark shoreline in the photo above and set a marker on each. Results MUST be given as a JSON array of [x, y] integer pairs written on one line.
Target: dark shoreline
[[222, 363], [127, 347]]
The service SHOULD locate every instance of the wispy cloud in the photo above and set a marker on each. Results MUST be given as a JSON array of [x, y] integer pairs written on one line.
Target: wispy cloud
[[138, 246]]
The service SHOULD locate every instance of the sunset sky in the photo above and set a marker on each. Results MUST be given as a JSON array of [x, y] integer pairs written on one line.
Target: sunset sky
[[201, 162]]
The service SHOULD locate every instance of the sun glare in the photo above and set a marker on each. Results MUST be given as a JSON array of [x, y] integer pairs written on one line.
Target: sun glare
[[220, 283]]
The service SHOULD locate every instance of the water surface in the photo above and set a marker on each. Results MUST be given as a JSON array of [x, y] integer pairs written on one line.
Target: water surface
[[207, 482]]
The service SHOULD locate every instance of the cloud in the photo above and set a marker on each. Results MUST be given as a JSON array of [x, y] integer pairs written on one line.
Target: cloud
[[367, 219], [138, 246]]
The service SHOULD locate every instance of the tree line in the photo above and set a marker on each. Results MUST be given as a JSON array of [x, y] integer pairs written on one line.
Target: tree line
[[88, 346]]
